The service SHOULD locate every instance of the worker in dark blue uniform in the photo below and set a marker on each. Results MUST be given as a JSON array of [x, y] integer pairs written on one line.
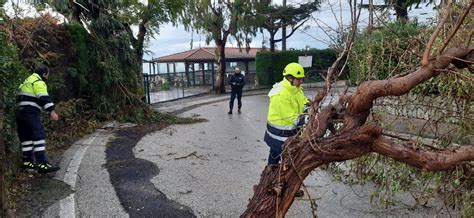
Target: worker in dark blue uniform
[[237, 82], [32, 98]]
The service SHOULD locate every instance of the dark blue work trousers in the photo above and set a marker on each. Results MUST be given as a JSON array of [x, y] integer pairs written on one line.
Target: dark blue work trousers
[[32, 136], [275, 149], [235, 92]]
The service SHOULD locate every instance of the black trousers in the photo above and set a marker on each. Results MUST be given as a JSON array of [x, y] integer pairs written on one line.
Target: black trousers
[[32, 136], [235, 92]]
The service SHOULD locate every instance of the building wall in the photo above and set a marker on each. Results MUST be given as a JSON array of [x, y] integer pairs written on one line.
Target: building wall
[[230, 66]]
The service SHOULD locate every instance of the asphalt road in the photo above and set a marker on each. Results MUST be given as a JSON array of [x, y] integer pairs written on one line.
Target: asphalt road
[[203, 169], [211, 167]]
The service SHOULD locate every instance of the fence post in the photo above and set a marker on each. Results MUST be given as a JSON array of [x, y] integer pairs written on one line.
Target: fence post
[[182, 82], [144, 87], [148, 89], [213, 73]]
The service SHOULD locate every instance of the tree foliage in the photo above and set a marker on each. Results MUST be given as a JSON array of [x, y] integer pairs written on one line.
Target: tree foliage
[[12, 73], [221, 20], [273, 18], [392, 64], [386, 51], [148, 16]]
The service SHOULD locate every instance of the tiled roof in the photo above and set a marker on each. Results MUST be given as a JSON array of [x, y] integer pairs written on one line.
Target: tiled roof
[[208, 54]]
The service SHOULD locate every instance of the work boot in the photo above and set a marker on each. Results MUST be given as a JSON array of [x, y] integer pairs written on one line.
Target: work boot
[[28, 167], [46, 168], [299, 193]]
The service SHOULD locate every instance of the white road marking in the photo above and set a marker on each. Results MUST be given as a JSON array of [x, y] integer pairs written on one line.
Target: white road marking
[[67, 206]]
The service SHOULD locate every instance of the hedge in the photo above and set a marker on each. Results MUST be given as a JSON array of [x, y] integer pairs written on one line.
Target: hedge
[[270, 65]]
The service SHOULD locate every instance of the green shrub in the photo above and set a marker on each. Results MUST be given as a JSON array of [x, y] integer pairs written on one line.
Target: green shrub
[[81, 65], [386, 51], [394, 49], [165, 86], [12, 74]]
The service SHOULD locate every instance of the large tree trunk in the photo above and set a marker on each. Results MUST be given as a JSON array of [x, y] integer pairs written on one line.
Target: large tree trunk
[[401, 10], [283, 31], [220, 86], [3, 202], [301, 154], [139, 48], [272, 42]]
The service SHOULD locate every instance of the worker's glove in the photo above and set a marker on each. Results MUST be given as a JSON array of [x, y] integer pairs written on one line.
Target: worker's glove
[[302, 120], [306, 109]]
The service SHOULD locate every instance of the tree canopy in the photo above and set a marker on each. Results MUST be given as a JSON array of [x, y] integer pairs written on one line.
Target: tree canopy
[[273, 18], [221, 20]]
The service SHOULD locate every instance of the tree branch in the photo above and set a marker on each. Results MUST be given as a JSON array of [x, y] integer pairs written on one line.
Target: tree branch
[[279, 183], [362, 100], [294, 28], [331, 71], [424, 160], [320, 123], [458, 24], [299, 158], [426, 53]]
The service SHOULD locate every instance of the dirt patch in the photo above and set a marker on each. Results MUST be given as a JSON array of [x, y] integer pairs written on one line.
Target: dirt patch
[[32, 194]]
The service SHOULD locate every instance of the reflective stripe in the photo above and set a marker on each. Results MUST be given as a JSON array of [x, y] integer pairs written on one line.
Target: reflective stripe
[[27, 148], [39, 142], [279, 138], [48, 105], [42, 148], [41, 95], [25, 103], [282, 127], [27, 94], [282, 133], [27, 143]]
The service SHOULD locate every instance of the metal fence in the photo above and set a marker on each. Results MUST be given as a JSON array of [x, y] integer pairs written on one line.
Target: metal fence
[[171, 86]]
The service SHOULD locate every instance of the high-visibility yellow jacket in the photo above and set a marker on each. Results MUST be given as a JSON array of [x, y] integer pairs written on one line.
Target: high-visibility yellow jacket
[[33, 95], [287, 102]]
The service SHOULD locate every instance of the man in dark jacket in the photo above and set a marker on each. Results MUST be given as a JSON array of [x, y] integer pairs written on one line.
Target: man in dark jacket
[[237, 82]]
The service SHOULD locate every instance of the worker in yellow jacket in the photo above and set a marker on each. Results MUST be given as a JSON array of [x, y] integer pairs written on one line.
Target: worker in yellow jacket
[[32, 98], [287, 103]]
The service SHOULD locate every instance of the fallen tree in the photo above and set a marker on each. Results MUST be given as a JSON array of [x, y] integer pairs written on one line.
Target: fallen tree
[[314, 147]]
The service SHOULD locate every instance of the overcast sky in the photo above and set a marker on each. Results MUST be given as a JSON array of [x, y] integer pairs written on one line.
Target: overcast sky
[[175, 39]]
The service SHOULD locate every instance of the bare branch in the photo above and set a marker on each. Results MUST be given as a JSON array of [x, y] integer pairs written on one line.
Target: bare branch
[[426, 53], [293, 29], [458, 24], [332, 70]]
